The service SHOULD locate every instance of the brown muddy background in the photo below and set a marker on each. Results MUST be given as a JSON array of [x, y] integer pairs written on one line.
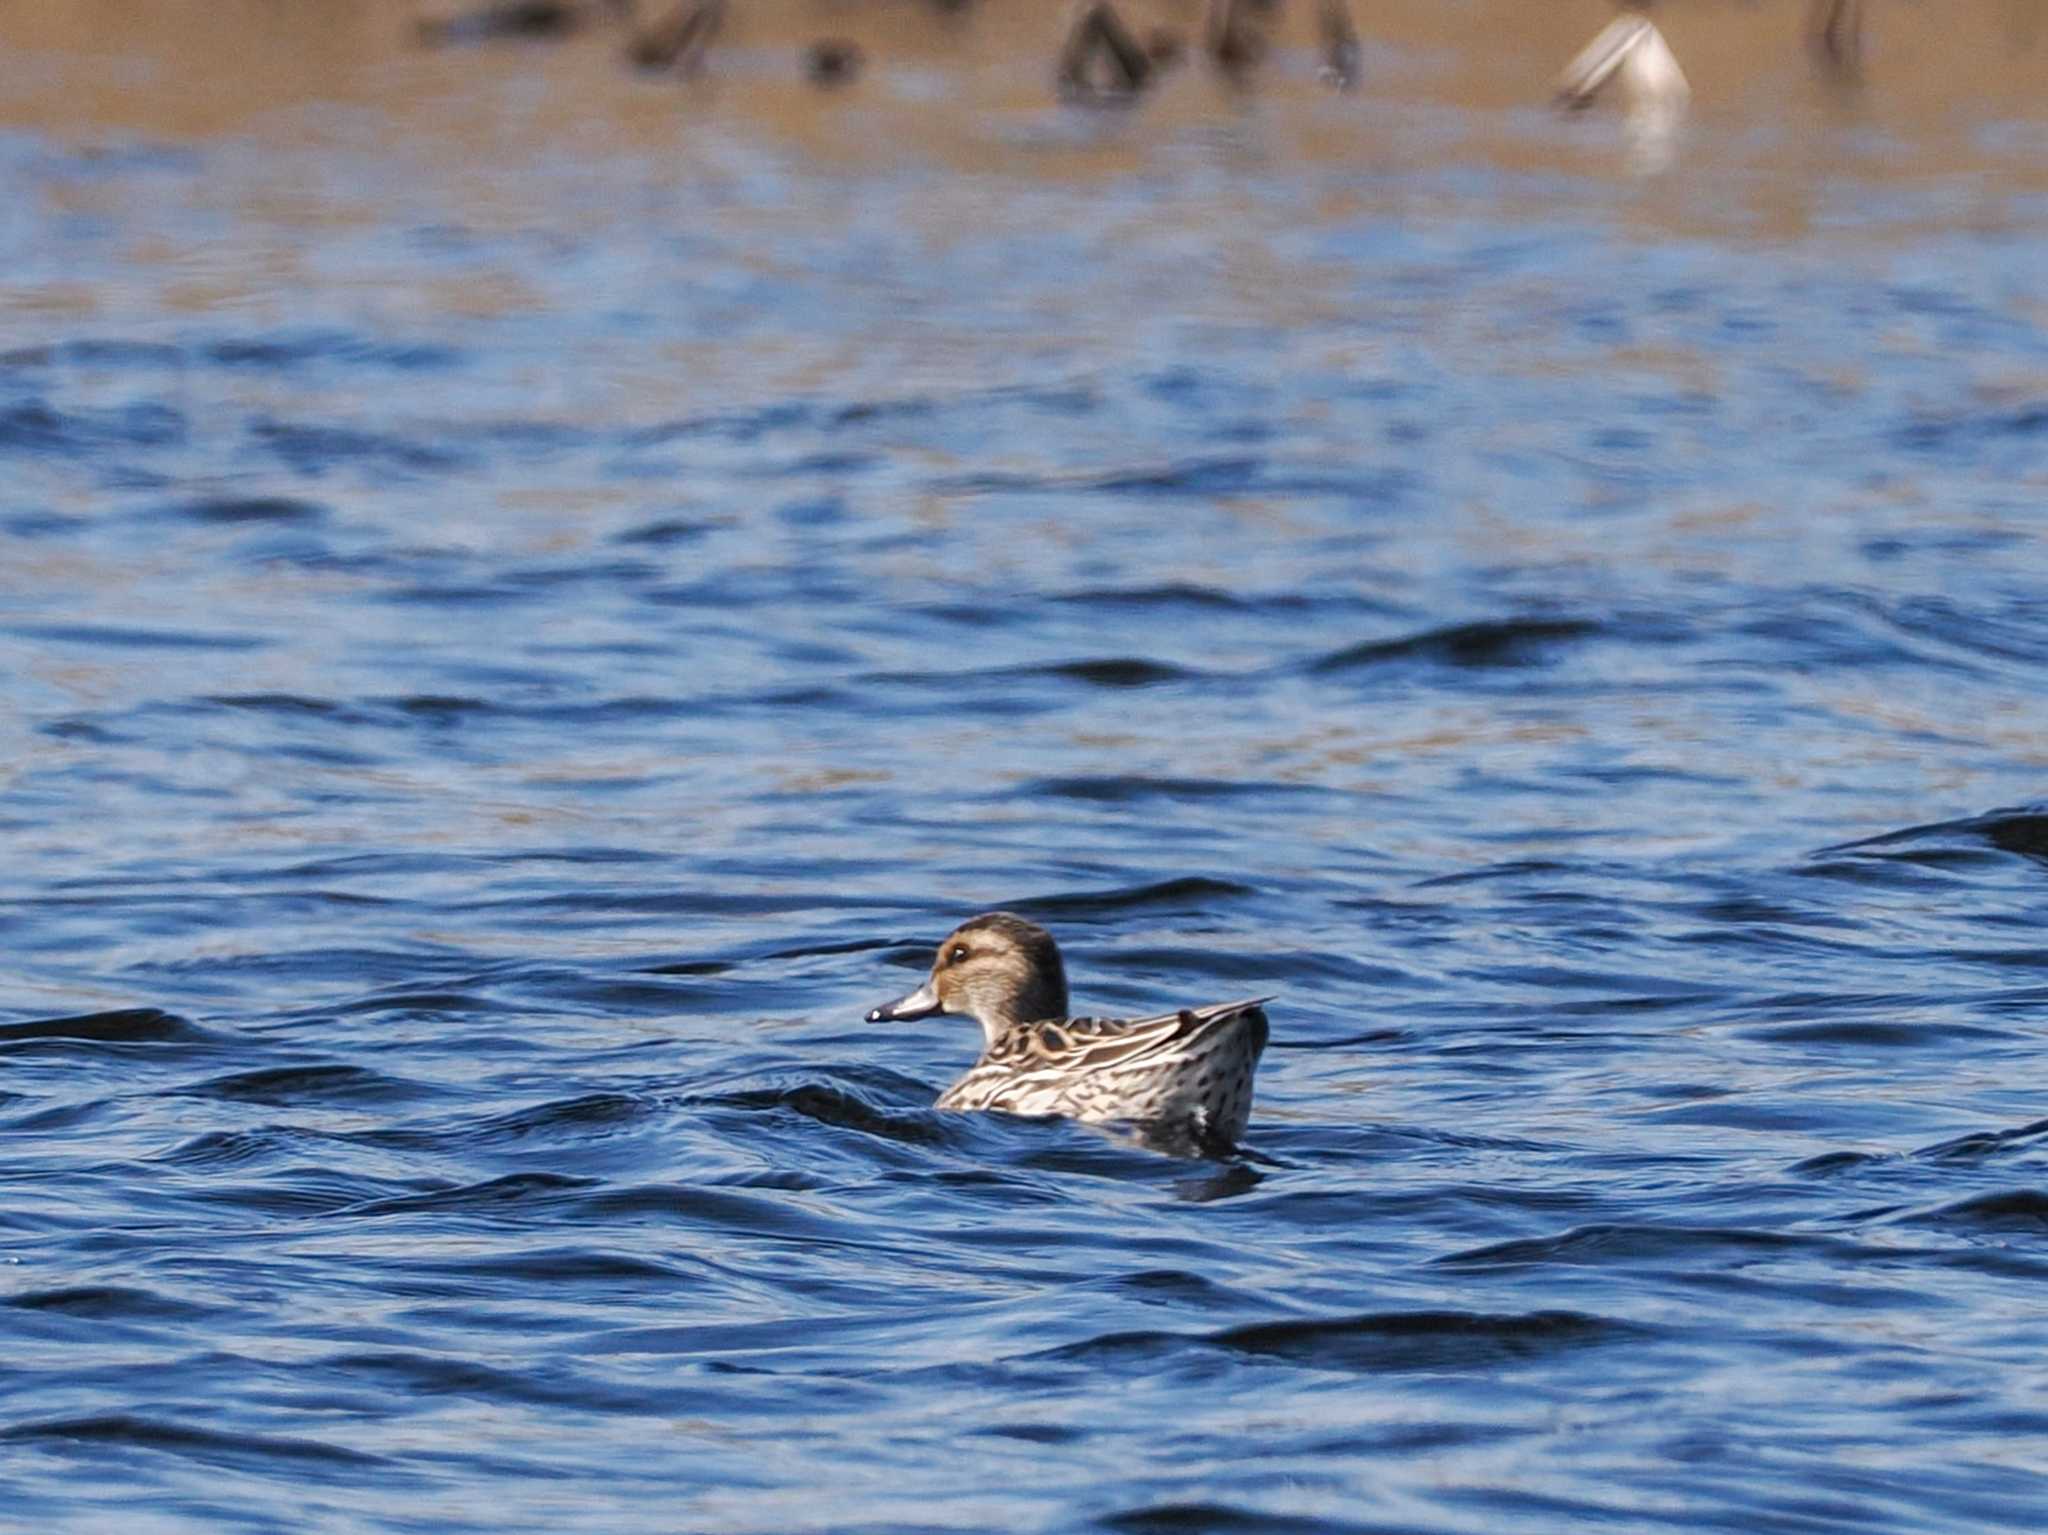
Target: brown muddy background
[[973, 90]]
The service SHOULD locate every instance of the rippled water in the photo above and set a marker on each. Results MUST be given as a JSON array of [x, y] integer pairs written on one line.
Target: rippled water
[[505, 661]]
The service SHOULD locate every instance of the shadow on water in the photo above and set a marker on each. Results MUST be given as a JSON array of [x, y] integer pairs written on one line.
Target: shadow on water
[[1947, 844]]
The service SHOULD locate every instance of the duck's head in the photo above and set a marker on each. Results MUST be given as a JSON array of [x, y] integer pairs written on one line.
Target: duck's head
[[996, 969]]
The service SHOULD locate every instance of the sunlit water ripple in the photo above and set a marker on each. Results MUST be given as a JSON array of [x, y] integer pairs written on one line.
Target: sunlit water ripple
[[468, 769]]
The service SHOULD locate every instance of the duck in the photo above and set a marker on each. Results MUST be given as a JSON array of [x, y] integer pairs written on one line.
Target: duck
[[1183, 1077]]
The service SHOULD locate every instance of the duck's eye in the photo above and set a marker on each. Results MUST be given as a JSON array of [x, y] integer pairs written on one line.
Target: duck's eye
[[958, 956]]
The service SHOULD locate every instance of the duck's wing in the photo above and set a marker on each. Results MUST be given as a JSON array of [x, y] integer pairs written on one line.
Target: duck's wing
[[1076, 1046]]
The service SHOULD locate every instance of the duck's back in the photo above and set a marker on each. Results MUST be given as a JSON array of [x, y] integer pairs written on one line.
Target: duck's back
[[1191, 1070]]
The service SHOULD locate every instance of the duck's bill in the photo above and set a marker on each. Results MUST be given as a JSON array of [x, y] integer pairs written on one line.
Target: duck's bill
[[921, 1003]]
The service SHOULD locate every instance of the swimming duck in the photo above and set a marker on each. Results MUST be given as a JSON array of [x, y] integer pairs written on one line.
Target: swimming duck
[[1187, 1074]]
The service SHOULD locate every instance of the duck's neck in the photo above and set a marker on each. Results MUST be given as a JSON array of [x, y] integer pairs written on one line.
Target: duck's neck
[[1042, 997]]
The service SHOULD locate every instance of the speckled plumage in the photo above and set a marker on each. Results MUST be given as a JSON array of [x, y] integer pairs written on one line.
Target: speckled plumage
[[1187, 1073]]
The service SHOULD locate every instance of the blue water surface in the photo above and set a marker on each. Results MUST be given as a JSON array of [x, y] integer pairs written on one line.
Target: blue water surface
[[503, 664]]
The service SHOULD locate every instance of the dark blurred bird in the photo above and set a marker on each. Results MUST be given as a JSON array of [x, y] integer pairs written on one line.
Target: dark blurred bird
[[680, 39]]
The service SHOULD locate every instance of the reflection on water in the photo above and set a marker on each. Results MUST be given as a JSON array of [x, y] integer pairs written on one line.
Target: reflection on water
[[527, 587]]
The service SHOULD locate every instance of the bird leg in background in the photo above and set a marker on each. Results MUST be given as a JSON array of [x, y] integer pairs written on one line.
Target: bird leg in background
[[1234, 42], [1097, 33], [680, 39], [1834, 34], [1340, 44]]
